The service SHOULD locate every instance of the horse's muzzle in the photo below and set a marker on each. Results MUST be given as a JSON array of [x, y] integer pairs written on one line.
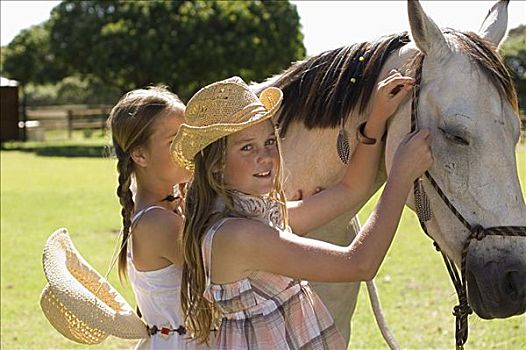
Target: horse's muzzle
[[496, 280]]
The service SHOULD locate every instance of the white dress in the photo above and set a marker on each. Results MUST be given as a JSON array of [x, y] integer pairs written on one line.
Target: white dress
[[158, 296]]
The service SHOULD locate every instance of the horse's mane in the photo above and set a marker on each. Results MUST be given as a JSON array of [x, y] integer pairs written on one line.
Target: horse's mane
[[319, 90]]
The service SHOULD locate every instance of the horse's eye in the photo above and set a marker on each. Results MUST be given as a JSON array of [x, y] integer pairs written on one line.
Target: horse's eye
[[448, 134]]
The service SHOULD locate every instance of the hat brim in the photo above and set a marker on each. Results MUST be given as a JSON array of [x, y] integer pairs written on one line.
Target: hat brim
[[192, 139], [79, 302]]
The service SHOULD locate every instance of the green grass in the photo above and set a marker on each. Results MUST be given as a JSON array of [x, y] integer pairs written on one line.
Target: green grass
[[41, 194]]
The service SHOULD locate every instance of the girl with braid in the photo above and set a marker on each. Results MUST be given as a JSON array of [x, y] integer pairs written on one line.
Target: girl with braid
[[143, 125], [243, 265]]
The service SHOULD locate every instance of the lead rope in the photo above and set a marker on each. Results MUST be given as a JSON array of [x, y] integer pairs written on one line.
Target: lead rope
[[379, 316], [424, 213]]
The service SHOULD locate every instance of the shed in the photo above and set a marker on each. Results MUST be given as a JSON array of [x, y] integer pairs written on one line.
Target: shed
[[8, 110]]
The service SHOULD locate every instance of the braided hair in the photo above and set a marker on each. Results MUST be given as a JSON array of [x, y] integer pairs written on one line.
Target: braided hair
[[130, 122]]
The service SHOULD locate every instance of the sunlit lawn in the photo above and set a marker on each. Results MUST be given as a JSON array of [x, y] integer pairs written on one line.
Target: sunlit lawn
[[41, 194]]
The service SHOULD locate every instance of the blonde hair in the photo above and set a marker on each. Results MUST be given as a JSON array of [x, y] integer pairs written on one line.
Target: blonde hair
[[130, 123], [201, 315]]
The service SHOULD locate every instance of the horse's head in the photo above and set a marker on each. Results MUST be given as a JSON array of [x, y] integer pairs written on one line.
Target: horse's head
[[468, 103]]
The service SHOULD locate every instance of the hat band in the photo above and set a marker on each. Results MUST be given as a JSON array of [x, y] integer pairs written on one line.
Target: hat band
[[247, 113]]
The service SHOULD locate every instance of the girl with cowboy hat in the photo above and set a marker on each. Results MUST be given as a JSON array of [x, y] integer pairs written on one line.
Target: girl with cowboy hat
[[243, 266], [143, 124]]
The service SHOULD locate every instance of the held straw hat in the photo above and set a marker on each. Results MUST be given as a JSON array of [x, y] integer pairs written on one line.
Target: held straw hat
[[78, 302], [218, 110]]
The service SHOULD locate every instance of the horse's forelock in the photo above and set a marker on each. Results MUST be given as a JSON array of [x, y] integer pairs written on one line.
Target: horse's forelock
[[484, 55]]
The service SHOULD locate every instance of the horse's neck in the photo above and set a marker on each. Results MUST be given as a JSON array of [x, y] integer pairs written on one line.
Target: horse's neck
[[310, 159], [310, 156]]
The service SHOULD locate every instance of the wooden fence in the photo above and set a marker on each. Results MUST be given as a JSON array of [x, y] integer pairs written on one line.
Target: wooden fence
[[68, 118]]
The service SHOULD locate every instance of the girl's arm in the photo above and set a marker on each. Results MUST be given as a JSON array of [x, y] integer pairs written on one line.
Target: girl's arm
[[259, 247], [355, 187]]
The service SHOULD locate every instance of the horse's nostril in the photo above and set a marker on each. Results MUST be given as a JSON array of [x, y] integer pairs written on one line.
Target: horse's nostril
[[511, 285]]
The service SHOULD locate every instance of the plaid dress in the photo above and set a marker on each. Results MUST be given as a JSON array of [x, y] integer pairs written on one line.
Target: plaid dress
[[265, 310]]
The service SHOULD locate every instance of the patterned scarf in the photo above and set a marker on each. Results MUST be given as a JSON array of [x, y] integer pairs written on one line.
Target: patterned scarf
[[260, 208]]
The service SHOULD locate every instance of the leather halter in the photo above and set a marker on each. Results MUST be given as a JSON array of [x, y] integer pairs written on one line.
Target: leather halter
[[423, 210]]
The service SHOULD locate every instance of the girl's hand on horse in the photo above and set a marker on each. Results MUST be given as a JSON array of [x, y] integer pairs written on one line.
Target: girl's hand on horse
[[413, 156], [388, 95]]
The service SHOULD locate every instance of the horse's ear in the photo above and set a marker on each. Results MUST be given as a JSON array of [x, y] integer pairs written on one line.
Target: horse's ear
[[426, 34], [496, 22]]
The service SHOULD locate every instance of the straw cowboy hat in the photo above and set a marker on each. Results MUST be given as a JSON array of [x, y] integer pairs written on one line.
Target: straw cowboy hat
[[218, 110], [78, 302]]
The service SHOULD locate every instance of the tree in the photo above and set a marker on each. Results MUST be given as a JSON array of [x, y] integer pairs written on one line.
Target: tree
[[27, 57], [184, 44], [514, 52]]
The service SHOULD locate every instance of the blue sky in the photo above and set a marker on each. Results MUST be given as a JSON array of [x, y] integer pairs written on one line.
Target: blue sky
[[326, 24]]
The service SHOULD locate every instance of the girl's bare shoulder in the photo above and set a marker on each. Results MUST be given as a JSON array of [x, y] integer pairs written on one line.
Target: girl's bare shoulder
[[242, 232], [159, 224]]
